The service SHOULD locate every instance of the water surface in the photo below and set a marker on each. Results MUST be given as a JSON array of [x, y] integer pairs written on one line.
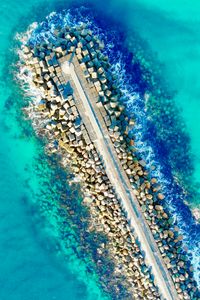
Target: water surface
[[32, 267]]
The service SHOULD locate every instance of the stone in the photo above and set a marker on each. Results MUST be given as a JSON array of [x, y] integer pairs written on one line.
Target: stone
[[58, 49], [84, 32], [26, 49], [142, 163], [66, 147], [87, 200], [71, 137], [131, 122], [79, 56], [83, 66], [53, 106], [159, 207], [97, 86], [165, 216], [166, 260], [149, 196], [41, 106], [180, 238], [66, 106], [103, 80], [100, 70], [78, 50], [46, 77], [113, 104], [171, 234], [108, 93], [85, 52], [160, 196]]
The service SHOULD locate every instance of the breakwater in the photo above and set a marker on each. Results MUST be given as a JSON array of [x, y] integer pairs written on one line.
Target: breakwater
[[56, 116]]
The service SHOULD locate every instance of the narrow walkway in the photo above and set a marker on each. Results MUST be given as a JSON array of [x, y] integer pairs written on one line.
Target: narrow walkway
[[119, 180]]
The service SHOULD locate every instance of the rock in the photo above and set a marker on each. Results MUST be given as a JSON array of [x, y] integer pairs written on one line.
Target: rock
[[153, 180], [108, 93], [66, 147], [131, 122], [166, 260], [26, 49], [180, 238], [97, 85], [85, 52], [53, 106], [71, 137], [79, 56], [84, 32], [78, 50], [165, 216], [171, 234], [41, 106], [160, 196], [149, 196], [142, 163], [159, 207], [58, 49], [113, 104], [140, 173], [144, 208], [88, 200]]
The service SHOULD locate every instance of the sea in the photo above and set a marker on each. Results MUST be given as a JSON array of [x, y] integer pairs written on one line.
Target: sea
[[154, 47]]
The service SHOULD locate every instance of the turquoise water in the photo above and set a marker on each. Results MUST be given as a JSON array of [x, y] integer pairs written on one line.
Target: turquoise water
[[33, 264]]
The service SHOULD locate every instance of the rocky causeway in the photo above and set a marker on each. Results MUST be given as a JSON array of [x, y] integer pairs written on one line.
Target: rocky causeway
[[79, 112]]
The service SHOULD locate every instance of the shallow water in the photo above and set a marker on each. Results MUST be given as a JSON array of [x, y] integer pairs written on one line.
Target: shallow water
[[31, 265]]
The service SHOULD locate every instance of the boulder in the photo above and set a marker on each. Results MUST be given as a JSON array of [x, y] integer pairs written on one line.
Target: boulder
[[160, 196], [159, 207]]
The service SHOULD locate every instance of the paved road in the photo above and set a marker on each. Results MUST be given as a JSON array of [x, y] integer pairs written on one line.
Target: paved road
[[117, 176]]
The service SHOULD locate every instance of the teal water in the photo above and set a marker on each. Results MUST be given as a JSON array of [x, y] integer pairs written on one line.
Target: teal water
[[33, 265]]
